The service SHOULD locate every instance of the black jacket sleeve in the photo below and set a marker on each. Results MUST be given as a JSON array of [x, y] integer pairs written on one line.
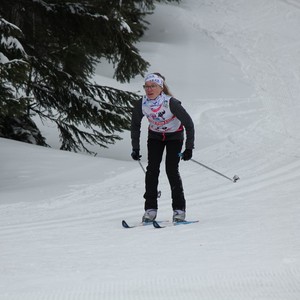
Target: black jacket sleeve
[[136, 120], [181, 114]]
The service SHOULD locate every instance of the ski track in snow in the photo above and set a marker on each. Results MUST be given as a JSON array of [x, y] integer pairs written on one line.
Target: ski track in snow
[[246, 245], [73, 228], [249, 286]]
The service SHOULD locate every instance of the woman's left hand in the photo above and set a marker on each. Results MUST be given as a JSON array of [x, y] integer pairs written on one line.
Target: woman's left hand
[[187, 154]]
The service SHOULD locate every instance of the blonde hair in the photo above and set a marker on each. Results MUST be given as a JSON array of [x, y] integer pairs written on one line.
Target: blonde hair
[[166, 89]]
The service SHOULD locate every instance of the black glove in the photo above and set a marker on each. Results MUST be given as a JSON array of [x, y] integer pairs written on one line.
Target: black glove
[[135, 154], [187, 154]]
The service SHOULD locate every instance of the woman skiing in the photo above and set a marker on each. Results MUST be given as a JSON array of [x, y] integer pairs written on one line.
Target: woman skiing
[[167, 122]]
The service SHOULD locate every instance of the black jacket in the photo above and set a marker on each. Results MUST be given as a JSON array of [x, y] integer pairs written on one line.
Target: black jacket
[[180, 113]]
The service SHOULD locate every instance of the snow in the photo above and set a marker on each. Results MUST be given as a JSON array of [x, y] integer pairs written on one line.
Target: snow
[[235, 67], [3, 58], [11, 43]]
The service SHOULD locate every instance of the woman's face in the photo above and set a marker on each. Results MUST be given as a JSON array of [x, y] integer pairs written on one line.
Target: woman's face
[[152, 89]]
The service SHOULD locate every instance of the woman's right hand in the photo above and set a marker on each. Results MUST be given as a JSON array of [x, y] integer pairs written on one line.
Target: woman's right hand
[[135, 154]]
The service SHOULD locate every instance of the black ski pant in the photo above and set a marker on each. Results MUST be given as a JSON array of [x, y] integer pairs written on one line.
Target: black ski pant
[[155, 154]]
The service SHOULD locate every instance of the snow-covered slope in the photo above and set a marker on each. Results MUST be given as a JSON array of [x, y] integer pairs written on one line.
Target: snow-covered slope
[[235, 66]]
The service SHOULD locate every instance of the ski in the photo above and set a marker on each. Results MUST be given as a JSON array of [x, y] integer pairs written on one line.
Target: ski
[[157, 225], [126, 225]]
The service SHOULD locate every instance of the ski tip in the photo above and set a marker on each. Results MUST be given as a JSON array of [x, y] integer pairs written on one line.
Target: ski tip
[[124, 224], [156, 225]]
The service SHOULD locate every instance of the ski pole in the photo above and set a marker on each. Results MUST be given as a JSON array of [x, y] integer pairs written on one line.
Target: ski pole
[[142, 166], [234, 179], [159, 192]]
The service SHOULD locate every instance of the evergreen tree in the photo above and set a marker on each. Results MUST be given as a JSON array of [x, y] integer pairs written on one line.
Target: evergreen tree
[[12, 69], [14, 123], [63, 41]]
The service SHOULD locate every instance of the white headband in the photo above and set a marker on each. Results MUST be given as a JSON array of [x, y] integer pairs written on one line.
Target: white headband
[[155, 78]]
